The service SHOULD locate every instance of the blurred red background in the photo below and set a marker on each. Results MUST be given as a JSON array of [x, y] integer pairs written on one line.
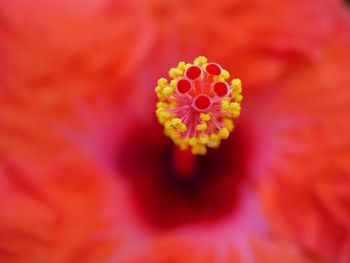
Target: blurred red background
[[86, 174]]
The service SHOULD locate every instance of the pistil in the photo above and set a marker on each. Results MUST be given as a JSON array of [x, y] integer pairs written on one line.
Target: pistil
[[197, 107]]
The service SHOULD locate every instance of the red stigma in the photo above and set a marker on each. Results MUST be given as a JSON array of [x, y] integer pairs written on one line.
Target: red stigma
[[220, 89], [202, 102], [183, 86], [193, 72], [213, 68]]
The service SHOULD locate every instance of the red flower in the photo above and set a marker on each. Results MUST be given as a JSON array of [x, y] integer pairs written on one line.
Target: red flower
[[86, 174], [308, 195]]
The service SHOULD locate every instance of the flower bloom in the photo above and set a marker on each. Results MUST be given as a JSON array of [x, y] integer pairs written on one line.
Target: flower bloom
[[87, 174], [308, 197]]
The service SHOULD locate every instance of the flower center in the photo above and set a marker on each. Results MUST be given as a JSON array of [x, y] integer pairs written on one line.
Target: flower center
[[171, 188], [198, 106]]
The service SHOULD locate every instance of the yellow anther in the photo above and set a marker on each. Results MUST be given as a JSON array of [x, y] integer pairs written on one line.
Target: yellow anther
[[199, 149], [172, 84], [228, 124], [174, 72], [193, 141], [159, 92], [202, 127], [224, 133], [167, 125], [203, 138], [159, 89], [188, 65], [237, 84], [176, 122], [162, 113], [214, 137], [162, 82], [225, 105], [237, 90], [201, 60], [160, 109], [235, 109], [204, 117], [181, 65], [182, 128], [167, 91], [235, 106], [224, 75], [182, 143], [162, 120], [161, 104], [214, 141], [237, 97], [235, 113], [174, 135]]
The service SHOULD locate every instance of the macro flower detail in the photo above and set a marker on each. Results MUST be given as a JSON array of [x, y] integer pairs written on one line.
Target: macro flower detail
[[87, 175], [198, 106]]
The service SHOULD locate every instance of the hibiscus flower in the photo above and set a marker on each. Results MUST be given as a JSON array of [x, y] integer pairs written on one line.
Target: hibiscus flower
[[87, 175]]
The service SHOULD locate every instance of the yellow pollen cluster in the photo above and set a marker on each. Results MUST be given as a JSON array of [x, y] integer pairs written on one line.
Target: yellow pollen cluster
[[197, 106]]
